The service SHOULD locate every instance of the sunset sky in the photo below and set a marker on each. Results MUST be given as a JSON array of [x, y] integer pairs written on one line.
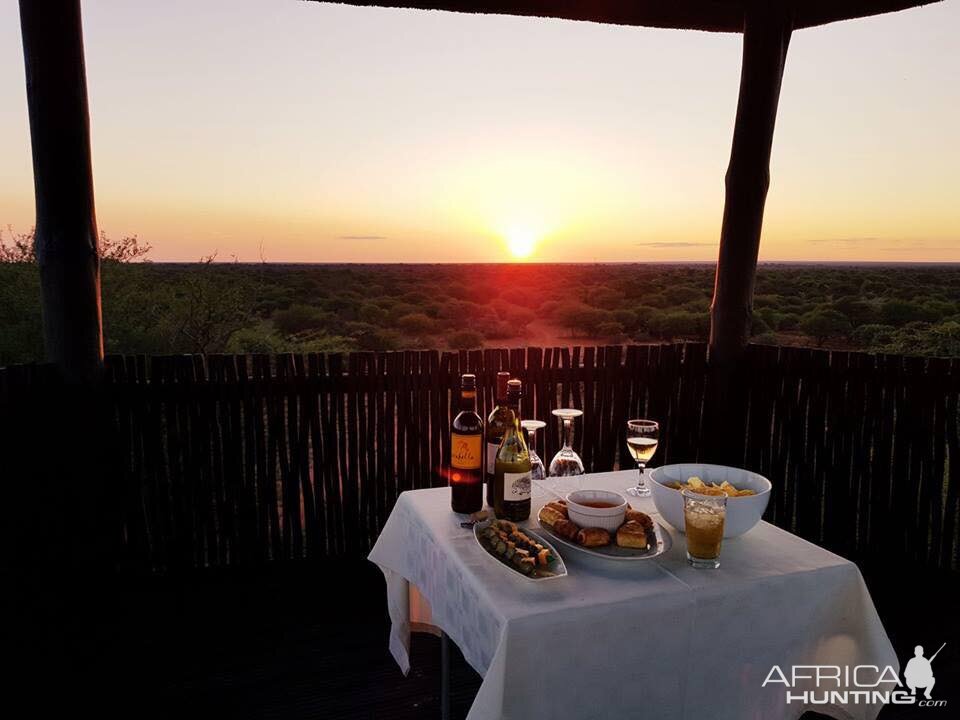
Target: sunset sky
[[329, 133]]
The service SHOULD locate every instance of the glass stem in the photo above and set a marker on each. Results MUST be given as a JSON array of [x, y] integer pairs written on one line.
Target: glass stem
[[641, 483], [567, 434]]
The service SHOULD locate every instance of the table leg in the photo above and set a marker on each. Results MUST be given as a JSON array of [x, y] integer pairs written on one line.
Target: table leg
[[444, 676]]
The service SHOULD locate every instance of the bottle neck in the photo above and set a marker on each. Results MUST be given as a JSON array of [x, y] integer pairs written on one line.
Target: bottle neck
[[513, 434], [468, 400], [513, 423], [501, 398]]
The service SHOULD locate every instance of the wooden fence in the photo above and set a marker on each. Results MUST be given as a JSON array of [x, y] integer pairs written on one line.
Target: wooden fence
[[238, 460]]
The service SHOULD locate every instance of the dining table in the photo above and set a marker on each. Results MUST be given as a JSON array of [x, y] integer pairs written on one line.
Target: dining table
[[650, 638]]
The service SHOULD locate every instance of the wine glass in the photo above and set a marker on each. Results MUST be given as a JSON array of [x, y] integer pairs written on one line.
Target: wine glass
[[537, 470], [642, 439], [566, 462]]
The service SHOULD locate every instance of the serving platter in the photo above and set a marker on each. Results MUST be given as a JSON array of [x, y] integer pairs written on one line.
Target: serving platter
[[557, 568], [658, 542]]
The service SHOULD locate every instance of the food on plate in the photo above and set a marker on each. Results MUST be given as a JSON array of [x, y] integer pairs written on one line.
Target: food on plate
[[559, 505], [593, 537], [632, 535], [551, 515], [567, 529], [640, 517], [636, 532], [509, 544], [695, 484]]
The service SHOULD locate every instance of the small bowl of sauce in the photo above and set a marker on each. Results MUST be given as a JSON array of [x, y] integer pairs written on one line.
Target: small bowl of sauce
[[597, 508]]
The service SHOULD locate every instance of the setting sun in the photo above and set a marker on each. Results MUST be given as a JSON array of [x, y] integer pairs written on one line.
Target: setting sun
[[521, 242]]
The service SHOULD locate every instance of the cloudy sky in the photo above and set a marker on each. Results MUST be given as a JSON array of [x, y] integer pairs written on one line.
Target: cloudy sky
[[330, 133]]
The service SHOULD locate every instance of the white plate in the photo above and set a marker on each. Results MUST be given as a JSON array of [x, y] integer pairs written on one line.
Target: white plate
[[557, 567], [613, 551]]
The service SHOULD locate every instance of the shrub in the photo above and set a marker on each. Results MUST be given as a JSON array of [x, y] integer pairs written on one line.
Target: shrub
[[857, 310], [496, 330], [298, 318], [609, 329], [416, 324], [255, 340], [398, 310], [824, 324], [643, 315], [872, 335], [759, 326], [604, 298], [788, 321], [465, 340], [628, 319], [577, 317], [682, 294], [324, 343], [943, 340], [372, 314], [656, 300], [770, 317], [679, 323], [938, 310], [900, 312], [380, 340], [767, 338]]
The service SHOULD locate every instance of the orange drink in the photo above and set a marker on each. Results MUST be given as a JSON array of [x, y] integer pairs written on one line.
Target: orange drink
[[703, 517]]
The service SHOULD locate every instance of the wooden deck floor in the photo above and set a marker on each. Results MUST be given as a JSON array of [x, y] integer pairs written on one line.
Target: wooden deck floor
[[312, 643]]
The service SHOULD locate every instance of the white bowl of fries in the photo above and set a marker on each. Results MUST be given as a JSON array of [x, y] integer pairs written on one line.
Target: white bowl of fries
[[747, 493]]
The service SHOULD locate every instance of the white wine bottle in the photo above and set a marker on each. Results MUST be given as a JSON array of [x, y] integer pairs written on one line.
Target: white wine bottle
[[511, 487], [496, 427]]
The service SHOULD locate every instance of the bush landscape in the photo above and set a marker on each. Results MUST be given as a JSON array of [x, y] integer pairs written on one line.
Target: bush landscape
[[209, 306]]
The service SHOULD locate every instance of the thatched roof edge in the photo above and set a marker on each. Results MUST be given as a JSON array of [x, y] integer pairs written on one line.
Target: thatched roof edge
[[707, 15]]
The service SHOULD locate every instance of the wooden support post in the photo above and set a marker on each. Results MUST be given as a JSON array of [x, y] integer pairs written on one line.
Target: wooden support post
[[66, 240], [766, 35]]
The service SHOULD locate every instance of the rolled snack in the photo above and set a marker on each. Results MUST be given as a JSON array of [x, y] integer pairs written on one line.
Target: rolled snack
[[632, 535], [560, 507], [550, 516], [567, 529], [639, 517], [593, 537]]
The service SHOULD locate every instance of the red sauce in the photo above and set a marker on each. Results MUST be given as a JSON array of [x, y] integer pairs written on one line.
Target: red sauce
[[597, 504]]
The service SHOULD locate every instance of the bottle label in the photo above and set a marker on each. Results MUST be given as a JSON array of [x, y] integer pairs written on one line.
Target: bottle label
[[466, 451], [516, 486], [492, 457]]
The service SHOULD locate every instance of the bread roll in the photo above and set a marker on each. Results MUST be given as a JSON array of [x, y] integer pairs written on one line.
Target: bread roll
[[593, 537], [632, 535], [639, 517], [550, 516], [567, 529], [559, 506]]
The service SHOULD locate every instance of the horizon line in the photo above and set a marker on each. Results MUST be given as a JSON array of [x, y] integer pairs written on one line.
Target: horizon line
[[562, 262]]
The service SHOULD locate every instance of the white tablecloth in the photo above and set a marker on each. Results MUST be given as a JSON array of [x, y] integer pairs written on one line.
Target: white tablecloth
[[652, 639]]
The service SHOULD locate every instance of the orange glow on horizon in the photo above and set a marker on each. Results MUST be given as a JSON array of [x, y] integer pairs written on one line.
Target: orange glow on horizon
[[523, 140]]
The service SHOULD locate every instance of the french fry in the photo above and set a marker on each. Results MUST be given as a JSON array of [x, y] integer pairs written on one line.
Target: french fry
[[697, 485]]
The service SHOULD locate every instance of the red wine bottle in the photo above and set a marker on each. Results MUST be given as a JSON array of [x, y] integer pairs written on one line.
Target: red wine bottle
[[466, 451]]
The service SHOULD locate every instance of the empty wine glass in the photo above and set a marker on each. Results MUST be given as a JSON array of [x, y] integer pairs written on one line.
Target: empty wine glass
[[566, 462], [642, 439], [537, 470]]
